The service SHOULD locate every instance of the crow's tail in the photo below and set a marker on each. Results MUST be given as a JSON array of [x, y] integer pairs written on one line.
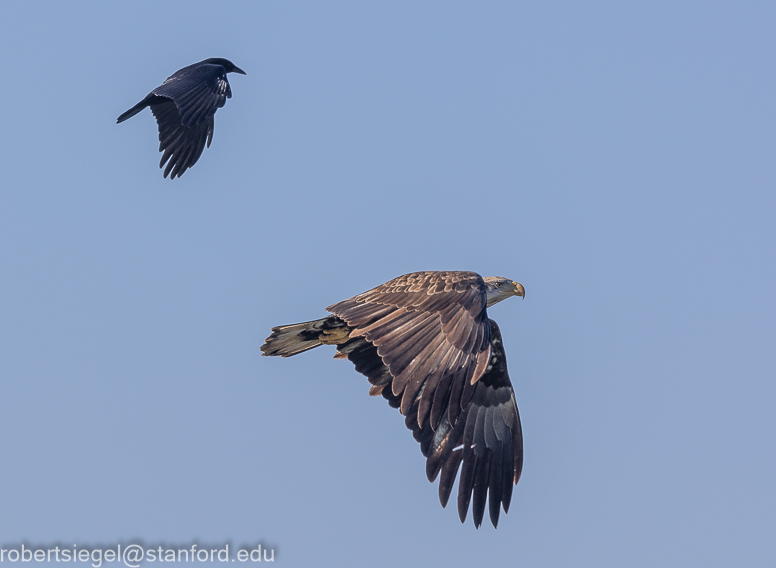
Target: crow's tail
[[148, 101]]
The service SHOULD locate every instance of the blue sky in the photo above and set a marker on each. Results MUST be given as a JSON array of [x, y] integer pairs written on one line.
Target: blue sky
[[617, 159]]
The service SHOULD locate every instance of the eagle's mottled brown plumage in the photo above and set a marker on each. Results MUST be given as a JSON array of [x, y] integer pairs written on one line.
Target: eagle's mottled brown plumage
[[425, 343]]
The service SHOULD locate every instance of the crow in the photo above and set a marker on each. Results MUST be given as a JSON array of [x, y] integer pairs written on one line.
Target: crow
[[184, 106]]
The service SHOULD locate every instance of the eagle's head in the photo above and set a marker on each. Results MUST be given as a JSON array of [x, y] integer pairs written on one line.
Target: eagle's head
[[501, 288]]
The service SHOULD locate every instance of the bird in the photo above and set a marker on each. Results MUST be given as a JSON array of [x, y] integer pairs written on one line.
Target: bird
[[426, 344], [184, 106]]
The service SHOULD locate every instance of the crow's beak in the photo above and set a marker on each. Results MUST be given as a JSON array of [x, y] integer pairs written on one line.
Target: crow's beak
[[238, 70]]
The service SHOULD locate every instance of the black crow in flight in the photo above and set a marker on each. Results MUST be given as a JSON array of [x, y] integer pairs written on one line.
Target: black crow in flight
[[184, 106]]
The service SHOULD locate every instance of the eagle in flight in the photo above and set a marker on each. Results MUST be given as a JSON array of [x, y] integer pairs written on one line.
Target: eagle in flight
[[425, 342], [184, 106]]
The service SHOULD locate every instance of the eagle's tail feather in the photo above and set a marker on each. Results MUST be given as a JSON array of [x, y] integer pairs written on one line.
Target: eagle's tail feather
[[288, 340]]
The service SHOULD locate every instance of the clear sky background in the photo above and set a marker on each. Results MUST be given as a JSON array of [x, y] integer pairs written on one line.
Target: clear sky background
[[615, 158]]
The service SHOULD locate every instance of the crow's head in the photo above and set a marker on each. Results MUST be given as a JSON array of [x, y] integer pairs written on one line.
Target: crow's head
[[226, 64]]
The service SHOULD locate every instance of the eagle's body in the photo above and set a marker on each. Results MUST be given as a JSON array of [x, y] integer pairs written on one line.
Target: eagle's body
[[184, 106], [425, 343]]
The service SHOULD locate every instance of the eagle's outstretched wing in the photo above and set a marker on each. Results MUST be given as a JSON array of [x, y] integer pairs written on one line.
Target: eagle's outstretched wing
[[485, 436], [432, 332]]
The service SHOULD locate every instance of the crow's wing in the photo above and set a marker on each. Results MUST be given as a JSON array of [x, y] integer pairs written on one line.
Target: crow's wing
[[182, 145], [198, 91]]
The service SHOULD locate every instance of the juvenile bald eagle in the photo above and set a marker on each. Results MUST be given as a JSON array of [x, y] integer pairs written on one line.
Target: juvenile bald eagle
[[184, 106], [425, 342]]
